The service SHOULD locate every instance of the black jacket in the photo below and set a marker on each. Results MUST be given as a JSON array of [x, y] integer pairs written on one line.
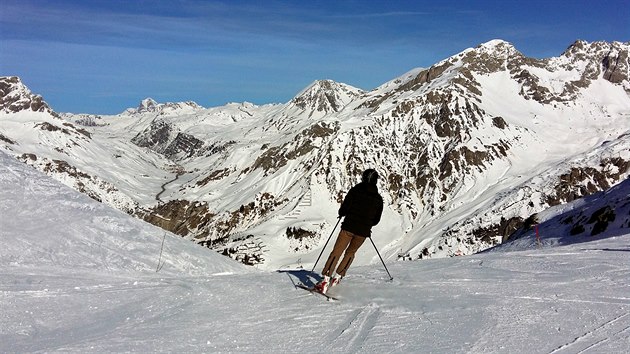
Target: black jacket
[[362, 208]]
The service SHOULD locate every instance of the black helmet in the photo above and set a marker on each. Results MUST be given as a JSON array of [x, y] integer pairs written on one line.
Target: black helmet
[[369, 176]]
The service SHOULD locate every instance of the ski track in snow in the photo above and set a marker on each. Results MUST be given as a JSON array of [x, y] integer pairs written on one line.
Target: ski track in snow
[[504, 305], [352, 332], [597, 336]]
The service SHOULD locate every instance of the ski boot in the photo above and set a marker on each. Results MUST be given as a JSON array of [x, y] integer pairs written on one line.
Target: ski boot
[[335, 280], [323, 285]]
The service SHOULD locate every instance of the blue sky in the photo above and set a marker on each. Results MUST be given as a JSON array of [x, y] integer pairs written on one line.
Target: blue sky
[[104, 56]]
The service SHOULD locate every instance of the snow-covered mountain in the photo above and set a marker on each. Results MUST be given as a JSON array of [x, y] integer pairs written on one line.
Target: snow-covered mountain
[[325, 97], [78, 276], [468, 150], [149, 105]]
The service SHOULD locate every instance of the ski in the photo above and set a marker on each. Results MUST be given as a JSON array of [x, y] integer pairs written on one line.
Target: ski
[[314, 291]]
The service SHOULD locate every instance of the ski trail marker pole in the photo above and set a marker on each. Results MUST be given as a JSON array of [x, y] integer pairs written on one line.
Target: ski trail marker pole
[[157, 269], [329, 237], [379, 256]]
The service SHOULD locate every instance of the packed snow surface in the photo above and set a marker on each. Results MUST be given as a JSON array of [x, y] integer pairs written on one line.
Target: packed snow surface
[[77, 276]]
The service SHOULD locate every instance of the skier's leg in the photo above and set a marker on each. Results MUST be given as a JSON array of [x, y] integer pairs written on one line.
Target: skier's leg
[[348, 257], [342, 242]]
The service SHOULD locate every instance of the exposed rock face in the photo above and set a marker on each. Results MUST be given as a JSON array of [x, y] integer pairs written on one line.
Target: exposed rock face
[[184, 145], [7, 140], [303, 143], [65, 128], [325, 96], [93, 186], [611, 59], [587, 60], [579, 182], [583, 181], [15, 97], [155, 137], [181, 217], [608, 211], [163, 138]]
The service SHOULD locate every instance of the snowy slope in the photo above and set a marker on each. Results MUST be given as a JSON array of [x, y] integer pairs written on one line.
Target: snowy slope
[[76, 276], [49, 227]]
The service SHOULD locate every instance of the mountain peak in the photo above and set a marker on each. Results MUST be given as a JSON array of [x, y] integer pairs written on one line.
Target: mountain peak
[[497, 48], [16, 97], [579, 48], [609, 58], [150, 105], [325, 96], [147, 105], [496, 43], [326, 85]]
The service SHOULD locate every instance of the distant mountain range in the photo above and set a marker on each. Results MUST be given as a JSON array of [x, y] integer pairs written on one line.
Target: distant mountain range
[[469, 150]]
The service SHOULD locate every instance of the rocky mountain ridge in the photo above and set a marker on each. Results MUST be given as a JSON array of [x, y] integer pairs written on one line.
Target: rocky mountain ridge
[[149, 105], [468, 149], [16, 97]]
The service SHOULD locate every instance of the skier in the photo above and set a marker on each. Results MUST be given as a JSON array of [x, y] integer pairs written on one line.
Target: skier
[[362, 208]]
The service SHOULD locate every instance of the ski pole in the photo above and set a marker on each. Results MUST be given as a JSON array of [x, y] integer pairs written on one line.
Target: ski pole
[[329, 237], [379, 256]]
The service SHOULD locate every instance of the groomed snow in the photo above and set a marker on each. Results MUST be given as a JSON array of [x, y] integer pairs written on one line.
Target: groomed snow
[[77, 276]]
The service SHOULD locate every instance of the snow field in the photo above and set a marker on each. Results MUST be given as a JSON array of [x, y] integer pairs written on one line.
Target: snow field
[[77, 276]]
